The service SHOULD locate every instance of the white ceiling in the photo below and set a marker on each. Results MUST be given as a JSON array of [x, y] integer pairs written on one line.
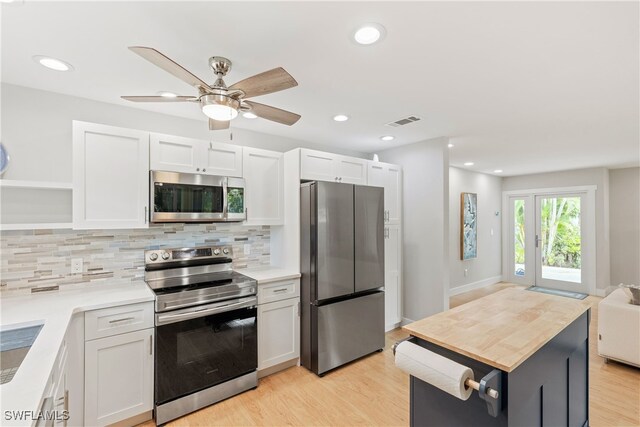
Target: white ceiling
[[523, 87]]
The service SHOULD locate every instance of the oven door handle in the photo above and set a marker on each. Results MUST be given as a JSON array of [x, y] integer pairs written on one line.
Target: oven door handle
[[165, 319]]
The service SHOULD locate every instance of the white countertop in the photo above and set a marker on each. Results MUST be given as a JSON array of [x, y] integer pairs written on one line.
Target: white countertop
[[54, 310], [268, 274]]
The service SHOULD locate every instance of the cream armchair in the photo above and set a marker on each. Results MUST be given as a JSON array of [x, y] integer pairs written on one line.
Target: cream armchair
[[619, 328]]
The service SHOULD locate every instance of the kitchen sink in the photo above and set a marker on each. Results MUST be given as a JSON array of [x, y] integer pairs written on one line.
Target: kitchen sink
[[14, 346]]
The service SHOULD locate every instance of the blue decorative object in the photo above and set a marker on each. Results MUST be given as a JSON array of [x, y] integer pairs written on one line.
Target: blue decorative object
[[4, 159]]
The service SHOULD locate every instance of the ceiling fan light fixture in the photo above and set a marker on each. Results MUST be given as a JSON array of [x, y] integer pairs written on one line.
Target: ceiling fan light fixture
[[166, 94], [387, 138], [220, 107], [249, 115], [341, 118]]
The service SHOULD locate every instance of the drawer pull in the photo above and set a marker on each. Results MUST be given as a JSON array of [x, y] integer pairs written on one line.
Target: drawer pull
[[280, 290], [122, 320]]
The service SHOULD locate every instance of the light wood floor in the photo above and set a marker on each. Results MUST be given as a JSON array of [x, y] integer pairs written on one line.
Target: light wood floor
[[372, 391]]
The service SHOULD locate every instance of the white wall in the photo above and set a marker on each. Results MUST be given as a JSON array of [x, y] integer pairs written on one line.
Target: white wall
[[592, 176], [425, 225], [486, 269], [624, 214], [36, 129]]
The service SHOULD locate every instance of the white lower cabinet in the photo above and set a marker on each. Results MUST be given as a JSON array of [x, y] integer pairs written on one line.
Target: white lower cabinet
[[118, 377], [392, 279], [118, 365], [278, 324]]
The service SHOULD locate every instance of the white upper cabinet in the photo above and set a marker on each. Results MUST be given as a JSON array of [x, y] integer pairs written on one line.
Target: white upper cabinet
[[187, 155], [264, 186], [389, 177], [317, 165], [321, 166], [223, 159], [173, 153], [110, 177]]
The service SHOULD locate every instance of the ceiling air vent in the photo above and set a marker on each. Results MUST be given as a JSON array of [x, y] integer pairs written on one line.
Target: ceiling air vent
[[404, 121]]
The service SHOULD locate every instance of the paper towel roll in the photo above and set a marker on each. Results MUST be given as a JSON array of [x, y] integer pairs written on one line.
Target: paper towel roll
[[434, 369]]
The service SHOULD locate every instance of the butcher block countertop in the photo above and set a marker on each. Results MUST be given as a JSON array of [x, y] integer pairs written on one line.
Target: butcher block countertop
[[502, 329]]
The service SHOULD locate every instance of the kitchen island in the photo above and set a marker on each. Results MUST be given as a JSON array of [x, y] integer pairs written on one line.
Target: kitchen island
[[532, 348]]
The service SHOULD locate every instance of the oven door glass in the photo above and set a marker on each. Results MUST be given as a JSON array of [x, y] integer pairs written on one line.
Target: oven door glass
[[179, 198], [195, 354]]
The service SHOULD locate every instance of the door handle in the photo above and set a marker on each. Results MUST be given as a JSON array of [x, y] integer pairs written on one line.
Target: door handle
[[537, 241]]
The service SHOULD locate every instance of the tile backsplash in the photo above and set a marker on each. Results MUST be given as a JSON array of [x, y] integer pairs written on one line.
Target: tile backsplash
[[40, 258]]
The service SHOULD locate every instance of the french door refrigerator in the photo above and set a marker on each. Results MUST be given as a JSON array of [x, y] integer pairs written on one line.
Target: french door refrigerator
[[342, 266]]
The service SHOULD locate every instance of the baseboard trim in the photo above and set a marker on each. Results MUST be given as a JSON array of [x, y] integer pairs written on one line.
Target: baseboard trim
[[406, 321], [279, 367], [475, 285], [392, 326]]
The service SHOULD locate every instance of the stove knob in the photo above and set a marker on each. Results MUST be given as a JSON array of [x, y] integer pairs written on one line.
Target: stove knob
[[216, 251], [225, 251], [153, 256], [165, 256]]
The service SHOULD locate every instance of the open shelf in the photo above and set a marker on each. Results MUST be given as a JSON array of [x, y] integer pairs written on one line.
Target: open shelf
[[36, 226], [35, 205], [12, 183]]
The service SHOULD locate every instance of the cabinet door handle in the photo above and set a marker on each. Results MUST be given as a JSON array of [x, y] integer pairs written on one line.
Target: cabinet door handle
[[340, 179], [197, 169], [204, 170], [151, 345], [299, 307], [124, 319], [145, 215], [280, 290]]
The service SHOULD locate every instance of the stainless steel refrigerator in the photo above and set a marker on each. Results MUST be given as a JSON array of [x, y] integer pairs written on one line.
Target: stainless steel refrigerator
[[342, 266]]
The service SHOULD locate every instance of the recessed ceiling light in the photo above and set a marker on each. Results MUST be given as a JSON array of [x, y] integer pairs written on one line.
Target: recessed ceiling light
[[369, 34], [450, 145], [340, 118], [249, 115], [167, 94], [468, 164], [497, 171], [387, 138], [53, 63]]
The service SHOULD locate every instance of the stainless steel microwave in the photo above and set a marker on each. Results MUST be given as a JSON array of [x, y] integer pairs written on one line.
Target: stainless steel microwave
[[185, 197]]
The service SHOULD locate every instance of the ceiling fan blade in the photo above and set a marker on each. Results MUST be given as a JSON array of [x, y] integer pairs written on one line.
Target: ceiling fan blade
[[272, 113], [218, 124], [264, 83], [170, 66], [160, 98]]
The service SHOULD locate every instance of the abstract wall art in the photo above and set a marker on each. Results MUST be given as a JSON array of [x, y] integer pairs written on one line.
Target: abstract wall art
[[468, 226]]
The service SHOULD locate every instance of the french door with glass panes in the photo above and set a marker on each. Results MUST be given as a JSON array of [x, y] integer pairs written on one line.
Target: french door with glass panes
[[550, 241]]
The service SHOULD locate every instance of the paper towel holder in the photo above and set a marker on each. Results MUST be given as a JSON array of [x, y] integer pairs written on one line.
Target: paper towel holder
[[488, 388]]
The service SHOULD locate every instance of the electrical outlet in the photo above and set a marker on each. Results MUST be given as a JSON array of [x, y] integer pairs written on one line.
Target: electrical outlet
[[466, 272], [247, 249], [76, 265]]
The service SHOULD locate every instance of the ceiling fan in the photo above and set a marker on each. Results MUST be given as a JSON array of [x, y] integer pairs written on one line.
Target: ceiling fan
[[219, 102]]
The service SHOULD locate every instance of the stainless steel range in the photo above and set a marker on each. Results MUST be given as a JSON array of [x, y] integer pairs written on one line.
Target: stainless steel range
[[206, 329]]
